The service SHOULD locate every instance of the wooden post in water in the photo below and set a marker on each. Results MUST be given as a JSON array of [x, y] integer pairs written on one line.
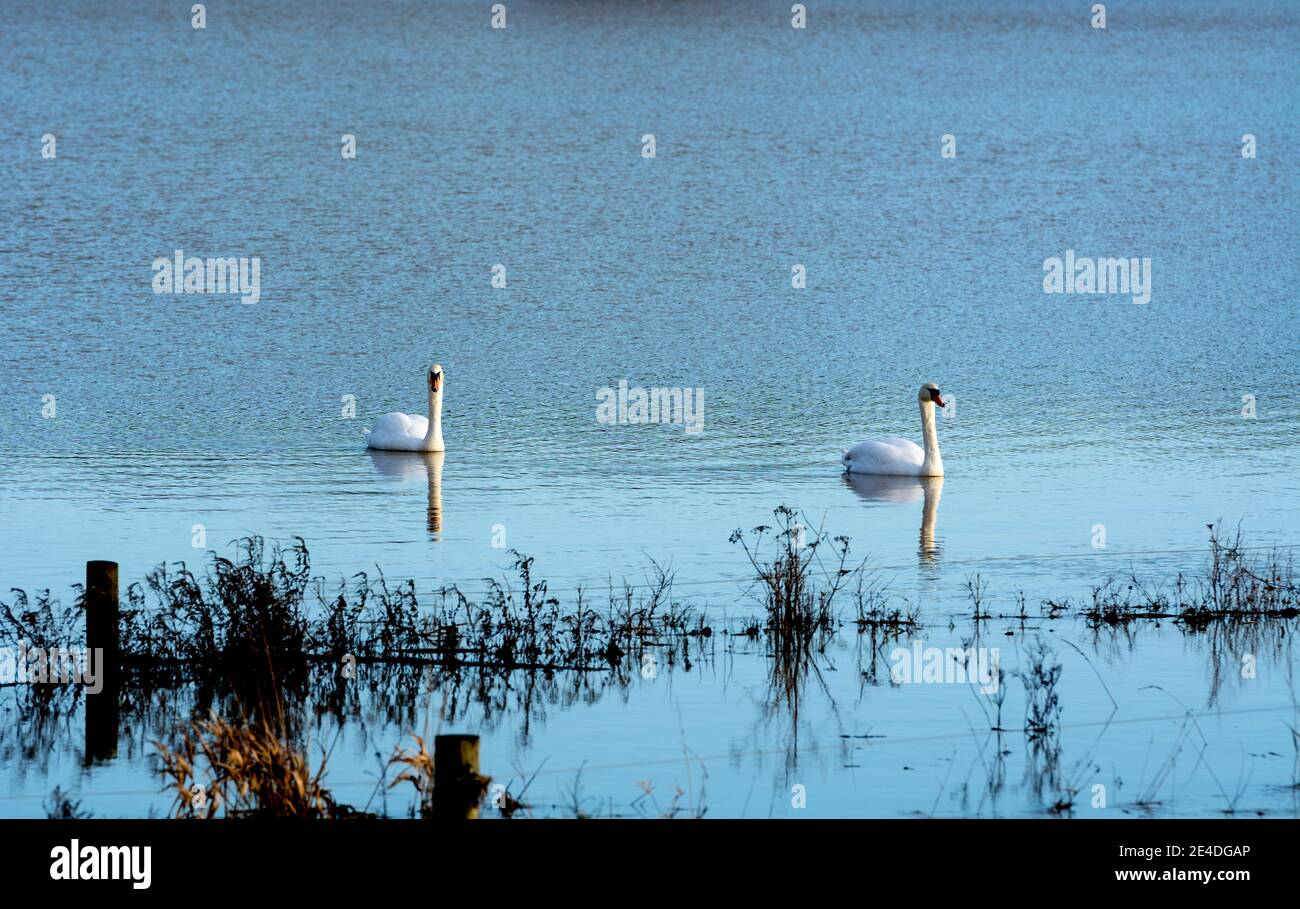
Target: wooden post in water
[[457, 787], [103, 653]]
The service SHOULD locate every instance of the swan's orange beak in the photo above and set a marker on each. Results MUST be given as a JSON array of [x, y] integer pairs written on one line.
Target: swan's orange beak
[[435, 379], [934, 396]]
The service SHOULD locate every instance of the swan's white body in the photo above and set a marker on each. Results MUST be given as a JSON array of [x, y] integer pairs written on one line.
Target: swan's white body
[[894, 456], [412, 432]]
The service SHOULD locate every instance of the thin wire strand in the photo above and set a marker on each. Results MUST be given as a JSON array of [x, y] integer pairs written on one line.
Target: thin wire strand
[[595, 584], [764, 752]]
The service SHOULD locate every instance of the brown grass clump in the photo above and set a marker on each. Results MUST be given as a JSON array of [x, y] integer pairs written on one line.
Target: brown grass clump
[[252, 771], [418, 772]]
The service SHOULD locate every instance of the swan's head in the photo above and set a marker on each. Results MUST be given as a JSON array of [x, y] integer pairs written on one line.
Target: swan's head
[[435, 378], [930, 392]]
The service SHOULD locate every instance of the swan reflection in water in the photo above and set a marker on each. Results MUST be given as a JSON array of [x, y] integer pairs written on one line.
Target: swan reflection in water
[[900, 490], [409, 466]]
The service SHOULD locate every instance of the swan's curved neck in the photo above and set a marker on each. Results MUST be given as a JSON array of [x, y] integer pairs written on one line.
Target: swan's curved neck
[[433, 436], [932, 466]]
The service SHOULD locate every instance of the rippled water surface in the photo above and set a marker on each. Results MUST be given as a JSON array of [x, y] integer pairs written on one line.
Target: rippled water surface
[[774, 148]]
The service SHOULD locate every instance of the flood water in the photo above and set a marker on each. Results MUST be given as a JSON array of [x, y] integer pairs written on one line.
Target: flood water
[[1086, 435]]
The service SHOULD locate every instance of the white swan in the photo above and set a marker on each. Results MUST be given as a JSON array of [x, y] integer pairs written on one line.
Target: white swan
[[403, 432], [893, 456]]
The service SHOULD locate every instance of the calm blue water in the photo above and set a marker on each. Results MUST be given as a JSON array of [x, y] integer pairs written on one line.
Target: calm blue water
[[774, 147]]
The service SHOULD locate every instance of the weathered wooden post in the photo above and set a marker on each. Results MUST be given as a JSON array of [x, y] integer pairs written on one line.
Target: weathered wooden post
[[457, 786], [103, 652]]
